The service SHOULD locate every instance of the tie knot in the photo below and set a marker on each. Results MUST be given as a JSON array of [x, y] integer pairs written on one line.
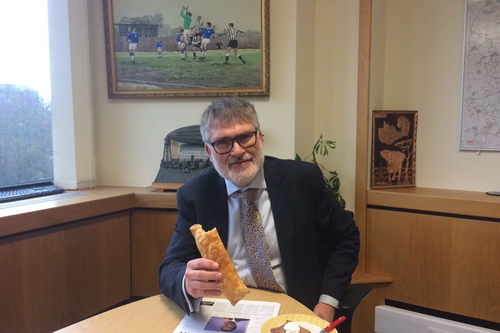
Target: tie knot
[[247, 195]]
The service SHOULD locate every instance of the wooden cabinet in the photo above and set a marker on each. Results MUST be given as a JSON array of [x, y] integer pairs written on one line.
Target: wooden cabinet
[[151, 232], [57, 276], [440, 262]]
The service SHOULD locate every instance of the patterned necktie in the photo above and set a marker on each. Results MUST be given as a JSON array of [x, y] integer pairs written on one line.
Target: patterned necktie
[[255, 239]]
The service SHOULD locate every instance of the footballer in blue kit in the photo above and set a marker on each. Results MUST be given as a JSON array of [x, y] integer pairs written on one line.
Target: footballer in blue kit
[[208, 32], [159, 45], [180, 44], [133, 39]]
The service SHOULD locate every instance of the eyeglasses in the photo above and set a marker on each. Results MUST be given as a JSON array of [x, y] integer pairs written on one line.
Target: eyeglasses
[[245, 140]]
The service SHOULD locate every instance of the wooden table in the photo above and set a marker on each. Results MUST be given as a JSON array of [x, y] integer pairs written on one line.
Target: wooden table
[[160, 314]]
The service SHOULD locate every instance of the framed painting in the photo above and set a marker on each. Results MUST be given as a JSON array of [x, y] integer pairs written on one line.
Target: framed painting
[[394, 148], [187, 48]]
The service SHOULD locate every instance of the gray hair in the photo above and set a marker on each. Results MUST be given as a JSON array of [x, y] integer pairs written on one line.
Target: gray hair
[[227, 111]]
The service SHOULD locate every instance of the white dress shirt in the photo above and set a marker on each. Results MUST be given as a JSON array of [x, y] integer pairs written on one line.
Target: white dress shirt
[[236, 240]]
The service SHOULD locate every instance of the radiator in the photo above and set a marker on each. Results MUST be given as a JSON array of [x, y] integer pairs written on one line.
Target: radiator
[[389, 319]]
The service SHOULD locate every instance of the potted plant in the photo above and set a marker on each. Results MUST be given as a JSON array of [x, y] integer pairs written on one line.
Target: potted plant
[[331, 178]]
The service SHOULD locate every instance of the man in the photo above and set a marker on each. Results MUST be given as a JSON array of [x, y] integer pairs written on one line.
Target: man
[[133, 39], [196, 45], [219, 47], [282, 207], [232, 34], [208, 32], [229, 325], [187, 24], [159, 45], [180, 44], [197, 28]]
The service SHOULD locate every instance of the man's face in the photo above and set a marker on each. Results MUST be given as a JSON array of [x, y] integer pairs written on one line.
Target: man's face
[[240, 165], [228, 325]]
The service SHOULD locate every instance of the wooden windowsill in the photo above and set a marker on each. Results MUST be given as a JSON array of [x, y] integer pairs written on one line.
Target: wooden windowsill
[[98, 201], [467, 203]]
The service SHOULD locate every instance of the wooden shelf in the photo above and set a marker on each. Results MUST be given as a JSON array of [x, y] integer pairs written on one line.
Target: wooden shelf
[[468, 203]]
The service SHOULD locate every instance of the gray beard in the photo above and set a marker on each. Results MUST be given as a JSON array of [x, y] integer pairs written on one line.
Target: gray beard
[[245, 177]]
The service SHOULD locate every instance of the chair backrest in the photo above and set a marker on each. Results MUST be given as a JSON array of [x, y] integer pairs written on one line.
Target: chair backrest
[[348, 304]]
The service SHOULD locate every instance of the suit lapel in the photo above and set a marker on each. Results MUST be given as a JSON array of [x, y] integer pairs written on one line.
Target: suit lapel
[[217, 210], [282, 206]]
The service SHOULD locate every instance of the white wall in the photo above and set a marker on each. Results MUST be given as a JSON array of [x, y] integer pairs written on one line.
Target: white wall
[[71, 104], [336, 73], [423, 71], [305, 67], [129, 134]]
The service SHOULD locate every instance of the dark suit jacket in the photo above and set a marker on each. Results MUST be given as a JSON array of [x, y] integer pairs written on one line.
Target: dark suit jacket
[[318, 239]]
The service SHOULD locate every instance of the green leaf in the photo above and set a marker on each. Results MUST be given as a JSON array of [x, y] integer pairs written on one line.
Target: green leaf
[[321, 136], [336, 184], [334, 173], [316, 147], [342, 201], [331, 144], [297, 157]]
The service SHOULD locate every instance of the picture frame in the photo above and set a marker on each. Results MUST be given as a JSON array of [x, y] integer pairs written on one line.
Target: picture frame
[[153, 67], [479, 116], [394, 147]]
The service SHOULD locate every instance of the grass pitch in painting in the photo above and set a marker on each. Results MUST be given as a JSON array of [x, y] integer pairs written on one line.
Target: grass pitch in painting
[[170, 72]]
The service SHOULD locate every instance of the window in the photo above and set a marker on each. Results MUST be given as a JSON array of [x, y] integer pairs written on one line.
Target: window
[[25, 114]]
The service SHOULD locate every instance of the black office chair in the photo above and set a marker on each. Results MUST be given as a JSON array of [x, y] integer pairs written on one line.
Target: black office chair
[[348, 304]]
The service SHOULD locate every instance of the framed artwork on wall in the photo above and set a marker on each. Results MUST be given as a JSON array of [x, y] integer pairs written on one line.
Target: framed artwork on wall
[[394, 148], [480, 119], [187, 48]]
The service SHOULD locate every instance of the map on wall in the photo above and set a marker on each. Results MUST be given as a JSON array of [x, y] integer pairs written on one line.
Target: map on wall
[[481, 86]]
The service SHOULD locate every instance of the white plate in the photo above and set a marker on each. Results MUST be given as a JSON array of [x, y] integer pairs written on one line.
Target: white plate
[[312, 323]]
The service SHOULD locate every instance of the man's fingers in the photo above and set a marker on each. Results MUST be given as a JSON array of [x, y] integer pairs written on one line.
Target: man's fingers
[[202, 285], [203, 275], [202, 278], [212, 293], [202, 293], [203, 264], [201, 288]]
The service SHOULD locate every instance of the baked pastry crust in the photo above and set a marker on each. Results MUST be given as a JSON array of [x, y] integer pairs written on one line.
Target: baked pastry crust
[[210, 246]]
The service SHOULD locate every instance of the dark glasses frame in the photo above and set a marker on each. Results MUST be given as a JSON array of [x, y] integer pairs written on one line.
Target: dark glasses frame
[[237, 139]]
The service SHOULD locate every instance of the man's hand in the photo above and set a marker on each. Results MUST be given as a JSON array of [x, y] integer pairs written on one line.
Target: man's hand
[[202, 278], [325, 311]]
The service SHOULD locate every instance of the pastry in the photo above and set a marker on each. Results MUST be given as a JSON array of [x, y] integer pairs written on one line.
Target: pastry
[[289, 327], [210, 246]]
